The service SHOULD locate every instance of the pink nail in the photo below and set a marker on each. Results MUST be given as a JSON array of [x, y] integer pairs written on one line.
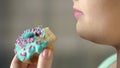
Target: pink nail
[[46, 53]]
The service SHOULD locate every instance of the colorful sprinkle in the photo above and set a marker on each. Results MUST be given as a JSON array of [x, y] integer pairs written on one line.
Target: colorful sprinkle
[[22, 47], [24, 42], [38, 42], [23, 54], [39, 32], [31, 39]]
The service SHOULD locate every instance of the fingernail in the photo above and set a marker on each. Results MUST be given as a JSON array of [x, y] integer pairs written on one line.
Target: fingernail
[[46, 53]]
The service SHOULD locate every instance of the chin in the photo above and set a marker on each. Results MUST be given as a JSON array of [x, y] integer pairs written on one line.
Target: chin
[[97, 40], [94, 37]]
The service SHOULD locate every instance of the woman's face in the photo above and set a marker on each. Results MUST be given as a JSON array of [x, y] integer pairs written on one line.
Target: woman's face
[[98, 20]]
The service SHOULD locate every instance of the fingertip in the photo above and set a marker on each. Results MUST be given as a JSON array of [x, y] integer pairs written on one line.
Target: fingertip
[[45, 59], [16, 60]]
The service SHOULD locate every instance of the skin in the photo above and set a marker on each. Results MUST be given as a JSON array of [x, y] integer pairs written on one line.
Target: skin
[[100, 22], [44, 61]]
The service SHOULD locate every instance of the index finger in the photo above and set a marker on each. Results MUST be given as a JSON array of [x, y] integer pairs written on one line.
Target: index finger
[[45, 59]]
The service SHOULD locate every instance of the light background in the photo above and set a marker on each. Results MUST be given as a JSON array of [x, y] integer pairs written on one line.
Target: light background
[[70, 50]]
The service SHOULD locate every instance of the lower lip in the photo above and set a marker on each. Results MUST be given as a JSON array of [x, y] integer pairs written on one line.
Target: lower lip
[[77, 14]]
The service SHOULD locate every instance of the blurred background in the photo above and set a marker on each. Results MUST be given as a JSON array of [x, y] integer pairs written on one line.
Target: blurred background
[[70, 50]]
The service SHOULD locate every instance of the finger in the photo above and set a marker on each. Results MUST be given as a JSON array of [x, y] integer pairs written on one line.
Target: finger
[[16, 63], [45, 59]]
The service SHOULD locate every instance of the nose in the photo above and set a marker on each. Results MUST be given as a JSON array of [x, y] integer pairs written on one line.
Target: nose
[[75, 4]]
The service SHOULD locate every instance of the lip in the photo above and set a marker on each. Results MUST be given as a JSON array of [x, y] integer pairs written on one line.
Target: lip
[[77, 13]]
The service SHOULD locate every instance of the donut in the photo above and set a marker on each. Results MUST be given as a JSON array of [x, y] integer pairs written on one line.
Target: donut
[[32, 42]]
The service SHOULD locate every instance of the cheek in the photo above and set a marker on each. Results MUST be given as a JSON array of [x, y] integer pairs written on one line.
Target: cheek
[[102, 30]]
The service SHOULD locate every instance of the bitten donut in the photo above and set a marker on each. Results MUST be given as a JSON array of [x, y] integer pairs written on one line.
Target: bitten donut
[[32, 42]]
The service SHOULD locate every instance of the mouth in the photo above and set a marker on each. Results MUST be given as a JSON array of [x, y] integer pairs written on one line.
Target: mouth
[[77, 13]]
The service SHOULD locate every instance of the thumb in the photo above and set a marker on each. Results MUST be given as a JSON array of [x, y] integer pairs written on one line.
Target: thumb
[[16, 63], [45, 59]]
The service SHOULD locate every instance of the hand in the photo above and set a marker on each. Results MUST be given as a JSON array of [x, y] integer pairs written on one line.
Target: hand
[[44, 61]]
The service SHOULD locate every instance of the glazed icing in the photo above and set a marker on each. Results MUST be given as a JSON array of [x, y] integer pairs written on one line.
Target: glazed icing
[[30, 43]]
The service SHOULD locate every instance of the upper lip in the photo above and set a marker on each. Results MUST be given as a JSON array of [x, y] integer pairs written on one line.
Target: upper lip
[[77, 10]]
